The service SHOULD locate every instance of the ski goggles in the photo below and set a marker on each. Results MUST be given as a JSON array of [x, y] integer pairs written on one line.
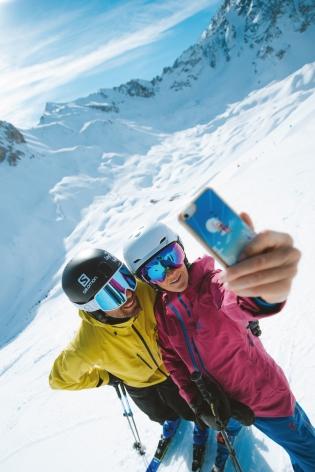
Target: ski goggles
[[170, 257], [113, 294]]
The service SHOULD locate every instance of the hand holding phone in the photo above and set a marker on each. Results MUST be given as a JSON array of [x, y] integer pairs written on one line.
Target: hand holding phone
[[217, 227], [271, 259]]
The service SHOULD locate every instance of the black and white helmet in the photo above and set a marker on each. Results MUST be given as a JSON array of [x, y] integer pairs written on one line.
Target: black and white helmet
[[146, 243], [87, 273]]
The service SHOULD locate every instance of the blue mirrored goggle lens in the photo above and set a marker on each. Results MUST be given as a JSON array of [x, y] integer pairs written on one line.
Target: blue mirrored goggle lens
[[171, 257], [113, 294]]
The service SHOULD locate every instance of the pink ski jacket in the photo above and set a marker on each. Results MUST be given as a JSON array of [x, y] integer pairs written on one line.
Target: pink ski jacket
[[205, 328]]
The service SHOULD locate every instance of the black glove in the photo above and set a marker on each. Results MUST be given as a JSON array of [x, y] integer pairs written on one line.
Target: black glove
[[227, 407], [205, 416], [242, 412], [216, 412], [113, 380], [220, 408]]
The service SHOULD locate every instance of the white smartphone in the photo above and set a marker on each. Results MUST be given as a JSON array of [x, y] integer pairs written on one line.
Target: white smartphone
[[216, 226]]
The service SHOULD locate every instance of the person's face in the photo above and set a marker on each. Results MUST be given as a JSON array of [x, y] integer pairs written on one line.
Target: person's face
[[130, 308], [176, 280]]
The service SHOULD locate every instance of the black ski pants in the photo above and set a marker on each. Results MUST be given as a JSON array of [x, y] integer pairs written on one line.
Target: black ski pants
[[161, 402]]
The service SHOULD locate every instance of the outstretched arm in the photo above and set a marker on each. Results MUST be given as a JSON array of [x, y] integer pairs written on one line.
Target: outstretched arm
[[71, 372]]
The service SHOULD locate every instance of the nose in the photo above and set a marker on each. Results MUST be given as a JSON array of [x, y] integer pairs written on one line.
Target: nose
[[169, 271], [129, 294]]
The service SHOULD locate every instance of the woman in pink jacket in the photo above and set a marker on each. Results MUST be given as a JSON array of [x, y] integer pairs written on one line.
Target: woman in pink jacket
[[204, 317]]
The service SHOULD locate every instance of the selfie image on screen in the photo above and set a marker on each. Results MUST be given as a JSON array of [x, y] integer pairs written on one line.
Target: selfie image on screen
[[219, 226]]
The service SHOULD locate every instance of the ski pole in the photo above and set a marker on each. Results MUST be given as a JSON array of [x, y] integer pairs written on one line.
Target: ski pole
[[196, 377], [127, 412]]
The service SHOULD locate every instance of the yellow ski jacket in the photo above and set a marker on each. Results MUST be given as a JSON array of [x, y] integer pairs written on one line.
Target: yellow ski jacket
[[127, 350]]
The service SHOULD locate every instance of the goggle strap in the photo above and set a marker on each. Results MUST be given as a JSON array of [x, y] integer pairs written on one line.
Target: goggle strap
[[92, 305], [89, 306]]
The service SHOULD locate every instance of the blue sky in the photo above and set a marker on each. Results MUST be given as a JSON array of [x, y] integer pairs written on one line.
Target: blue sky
[[63, 49]]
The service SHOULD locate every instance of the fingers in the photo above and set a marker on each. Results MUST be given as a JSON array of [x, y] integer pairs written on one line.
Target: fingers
[[262, 262], [247, 219], [271, 293], [267, 269], [263, 277], [267, 240]]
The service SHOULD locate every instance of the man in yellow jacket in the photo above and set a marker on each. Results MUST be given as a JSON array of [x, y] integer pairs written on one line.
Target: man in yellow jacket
[[117, 338]]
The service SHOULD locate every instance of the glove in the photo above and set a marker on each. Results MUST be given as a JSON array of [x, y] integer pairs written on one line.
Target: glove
[[242, 412], [205, 417], [216, 412], [113, 381], [220, 408]]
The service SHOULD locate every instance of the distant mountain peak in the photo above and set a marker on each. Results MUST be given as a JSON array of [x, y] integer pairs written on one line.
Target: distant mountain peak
[[259, 25], [247, 44]]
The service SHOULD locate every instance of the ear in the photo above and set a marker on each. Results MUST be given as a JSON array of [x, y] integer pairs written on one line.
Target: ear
[[247, 219]]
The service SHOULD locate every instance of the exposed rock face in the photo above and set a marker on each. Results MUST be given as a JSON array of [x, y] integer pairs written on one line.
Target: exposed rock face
[[137, 88], [10, 140], [106, 107]]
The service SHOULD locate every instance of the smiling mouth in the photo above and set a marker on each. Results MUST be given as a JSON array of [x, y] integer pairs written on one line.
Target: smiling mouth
[[130, 302]]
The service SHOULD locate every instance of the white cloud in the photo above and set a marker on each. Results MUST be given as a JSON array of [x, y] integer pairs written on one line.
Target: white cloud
[[95, 44]]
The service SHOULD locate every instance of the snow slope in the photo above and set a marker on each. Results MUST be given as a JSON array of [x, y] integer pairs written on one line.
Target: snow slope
[[259, 156], [94, 180]]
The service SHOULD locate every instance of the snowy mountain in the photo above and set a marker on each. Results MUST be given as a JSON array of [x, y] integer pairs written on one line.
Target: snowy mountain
[[235, 110], [261, 39]]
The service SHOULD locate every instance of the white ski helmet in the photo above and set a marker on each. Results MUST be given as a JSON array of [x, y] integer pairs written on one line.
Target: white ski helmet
[[146, 243]]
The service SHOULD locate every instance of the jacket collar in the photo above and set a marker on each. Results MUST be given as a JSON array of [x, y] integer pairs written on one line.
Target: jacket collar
[[92, 321]]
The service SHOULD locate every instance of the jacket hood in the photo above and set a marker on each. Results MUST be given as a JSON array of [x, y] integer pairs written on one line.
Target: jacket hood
[[199, 268]]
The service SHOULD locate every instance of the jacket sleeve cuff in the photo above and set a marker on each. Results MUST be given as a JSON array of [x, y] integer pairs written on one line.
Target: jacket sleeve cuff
[[259, 308], [103, 378], [268, 307]]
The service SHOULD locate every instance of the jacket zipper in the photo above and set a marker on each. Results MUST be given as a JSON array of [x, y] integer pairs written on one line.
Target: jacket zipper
[[188, 343], [180, 298], [148, 349], [203, 368]]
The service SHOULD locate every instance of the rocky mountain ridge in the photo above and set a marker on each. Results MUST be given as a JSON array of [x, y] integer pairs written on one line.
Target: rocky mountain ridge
[[239, 24], [248, 44], [270, 35]]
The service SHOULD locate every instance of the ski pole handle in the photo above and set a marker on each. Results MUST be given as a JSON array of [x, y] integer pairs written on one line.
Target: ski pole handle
[[196, 377], [198, 380], [123, 389]]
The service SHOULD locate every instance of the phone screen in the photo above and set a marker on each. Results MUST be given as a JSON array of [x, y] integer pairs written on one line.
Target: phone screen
[[217, 226]]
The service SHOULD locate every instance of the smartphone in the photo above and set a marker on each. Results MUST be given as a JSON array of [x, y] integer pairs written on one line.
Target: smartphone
[[216, 226]]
